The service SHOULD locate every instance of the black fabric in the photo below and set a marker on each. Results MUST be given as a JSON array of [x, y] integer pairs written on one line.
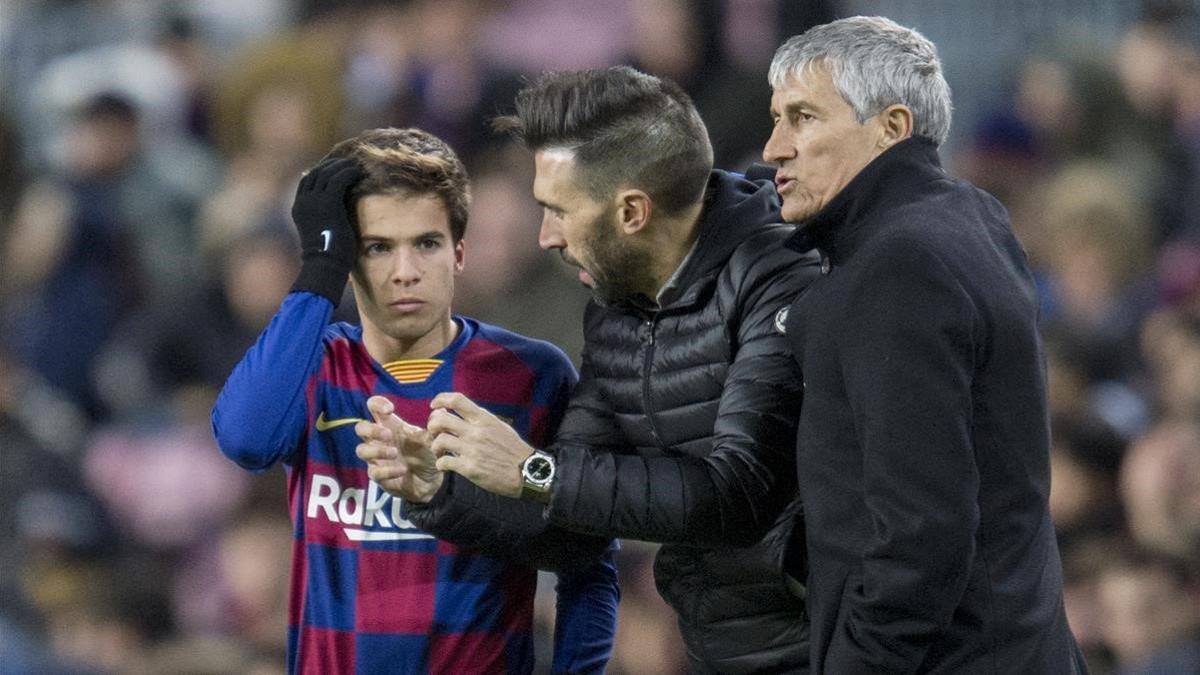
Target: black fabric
[[322, 275], [923, 445], [323, 215], [681, 431], [512, 529]]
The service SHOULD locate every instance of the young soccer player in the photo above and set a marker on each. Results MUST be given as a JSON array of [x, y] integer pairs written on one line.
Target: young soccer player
[[370, 592]]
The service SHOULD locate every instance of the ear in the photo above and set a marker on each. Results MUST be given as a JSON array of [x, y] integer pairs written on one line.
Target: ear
[[634, 209], [895, 125], [460, 256]]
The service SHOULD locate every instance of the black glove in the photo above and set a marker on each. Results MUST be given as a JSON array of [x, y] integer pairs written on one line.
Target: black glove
[[323, 217]]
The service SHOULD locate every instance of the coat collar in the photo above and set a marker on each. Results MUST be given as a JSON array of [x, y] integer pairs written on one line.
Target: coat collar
[[735, 209], [843, 224]]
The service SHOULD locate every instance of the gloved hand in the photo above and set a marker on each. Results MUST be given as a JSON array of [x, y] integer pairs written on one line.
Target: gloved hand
[[323, 216]]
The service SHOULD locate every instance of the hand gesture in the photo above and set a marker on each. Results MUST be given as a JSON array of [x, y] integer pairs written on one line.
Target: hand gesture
[[398, 455], [476, 444], [322, 213]]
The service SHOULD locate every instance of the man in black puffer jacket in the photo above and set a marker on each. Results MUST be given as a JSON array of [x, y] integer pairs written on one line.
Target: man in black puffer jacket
[[682, 426]]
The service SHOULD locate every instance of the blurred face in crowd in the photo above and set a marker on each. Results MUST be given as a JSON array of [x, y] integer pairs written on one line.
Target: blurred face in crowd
[[585, 231], [404, 278], [817, 142], [500, 214], [1143, 610], [1160, 487], [1076, 491], [102, 145], [257, 274]]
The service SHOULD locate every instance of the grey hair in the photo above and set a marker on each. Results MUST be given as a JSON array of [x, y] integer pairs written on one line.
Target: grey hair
[[874, 62]]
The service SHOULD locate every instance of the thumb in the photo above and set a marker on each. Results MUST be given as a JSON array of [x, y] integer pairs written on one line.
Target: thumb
[[384, 412], [449, 463], [381, 408]]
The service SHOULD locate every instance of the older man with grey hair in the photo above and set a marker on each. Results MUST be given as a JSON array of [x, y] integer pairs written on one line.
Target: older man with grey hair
[[923, 446]]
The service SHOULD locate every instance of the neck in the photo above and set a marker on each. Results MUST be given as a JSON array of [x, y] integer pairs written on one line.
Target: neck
[[384, 348], [672, 238]]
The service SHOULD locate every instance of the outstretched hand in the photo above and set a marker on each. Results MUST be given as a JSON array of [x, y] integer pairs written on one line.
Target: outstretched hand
[[399, 455], [476, 444]]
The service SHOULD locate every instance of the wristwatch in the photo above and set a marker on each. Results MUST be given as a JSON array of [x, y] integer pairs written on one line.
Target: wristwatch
[[537, 475]]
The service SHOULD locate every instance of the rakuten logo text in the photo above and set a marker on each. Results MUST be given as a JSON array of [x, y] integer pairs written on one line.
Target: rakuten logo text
[[368, 508]]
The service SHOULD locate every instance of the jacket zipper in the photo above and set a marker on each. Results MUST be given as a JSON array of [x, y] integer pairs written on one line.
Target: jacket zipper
[[648, 362]]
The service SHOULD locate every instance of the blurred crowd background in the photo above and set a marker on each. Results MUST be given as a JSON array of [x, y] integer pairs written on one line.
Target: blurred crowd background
[[149, 151]]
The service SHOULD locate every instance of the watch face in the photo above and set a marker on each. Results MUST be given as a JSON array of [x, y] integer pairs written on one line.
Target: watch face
[[539, 469]]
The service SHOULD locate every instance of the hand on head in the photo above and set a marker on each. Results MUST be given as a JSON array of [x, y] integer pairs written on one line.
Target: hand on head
[[322, 214]]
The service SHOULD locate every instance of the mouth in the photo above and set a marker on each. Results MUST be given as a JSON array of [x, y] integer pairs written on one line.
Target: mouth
[[407, 305], [584, 277], [784, 184]]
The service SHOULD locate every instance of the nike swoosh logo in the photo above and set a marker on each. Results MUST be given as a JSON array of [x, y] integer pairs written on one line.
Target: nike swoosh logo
[[325, 425]]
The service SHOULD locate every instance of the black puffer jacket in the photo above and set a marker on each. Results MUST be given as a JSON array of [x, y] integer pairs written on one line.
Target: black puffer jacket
[[682, 431]]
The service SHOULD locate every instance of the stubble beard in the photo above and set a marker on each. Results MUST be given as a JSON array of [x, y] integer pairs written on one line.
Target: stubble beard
[[621, 269]]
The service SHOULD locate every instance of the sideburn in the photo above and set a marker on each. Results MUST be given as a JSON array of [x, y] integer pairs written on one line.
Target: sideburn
[[623, 269]]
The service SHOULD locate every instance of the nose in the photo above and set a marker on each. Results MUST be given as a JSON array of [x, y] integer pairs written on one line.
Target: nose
[[550, 236], [777, 148], [406, 268]]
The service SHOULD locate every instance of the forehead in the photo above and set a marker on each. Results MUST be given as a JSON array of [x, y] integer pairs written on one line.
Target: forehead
[[555, 175], [394, 215], [811, 84]]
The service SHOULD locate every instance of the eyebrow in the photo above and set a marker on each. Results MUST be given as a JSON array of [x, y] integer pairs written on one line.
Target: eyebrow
[[796, 106], [429, 234]]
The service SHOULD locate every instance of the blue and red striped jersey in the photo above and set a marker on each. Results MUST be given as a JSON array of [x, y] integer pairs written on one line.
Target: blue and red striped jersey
[[369, 591]]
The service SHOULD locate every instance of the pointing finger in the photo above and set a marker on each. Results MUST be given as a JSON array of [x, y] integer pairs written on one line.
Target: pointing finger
[[384, 472], [371, 431], [443, 422], [380, 408], [450, 463], [460, 404], [445, 444], [374, 452], [384, 412]]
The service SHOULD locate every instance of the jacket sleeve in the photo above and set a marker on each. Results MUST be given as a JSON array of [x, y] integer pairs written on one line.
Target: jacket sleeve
[[586, 617], [733, 495], [259, 417], [907, 358], [511, 529]]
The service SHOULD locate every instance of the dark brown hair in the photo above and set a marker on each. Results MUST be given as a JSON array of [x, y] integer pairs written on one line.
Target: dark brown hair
[[410, 162], [626, 128]]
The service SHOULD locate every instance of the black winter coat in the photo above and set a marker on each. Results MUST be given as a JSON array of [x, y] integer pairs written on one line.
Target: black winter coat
[[681, 432], [923, 446]]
